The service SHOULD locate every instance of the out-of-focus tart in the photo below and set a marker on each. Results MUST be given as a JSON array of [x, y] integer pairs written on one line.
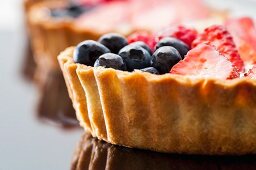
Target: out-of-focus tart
[[58, 25], [202, 103]]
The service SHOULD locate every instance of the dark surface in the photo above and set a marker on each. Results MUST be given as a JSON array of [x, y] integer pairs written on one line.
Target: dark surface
[[95, 154]]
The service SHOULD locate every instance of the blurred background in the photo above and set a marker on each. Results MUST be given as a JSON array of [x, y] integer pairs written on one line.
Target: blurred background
[[26, 142]]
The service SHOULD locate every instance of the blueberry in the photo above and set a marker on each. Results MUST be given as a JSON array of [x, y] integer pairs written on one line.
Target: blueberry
[[87, 52], [151, 70], [110, 60], [58, 13], [135, 57], [73, 10], [165, 58], [173, 42], [143, 45], [113, 41]]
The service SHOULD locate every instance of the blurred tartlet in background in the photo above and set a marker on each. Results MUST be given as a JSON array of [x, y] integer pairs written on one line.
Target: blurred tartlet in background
[[57, 25]]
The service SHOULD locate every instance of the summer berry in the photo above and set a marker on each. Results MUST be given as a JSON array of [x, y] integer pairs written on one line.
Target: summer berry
[[75, 10], [143, 36], [174, 42], [72, 10], [165, 58], [187, 35], [135, 57], [87, 52], [221, 39], [252, 73], [205, 61], [110, 60], [143, 45], [243, 31], [114, 42], [151, 70], [58, 13]]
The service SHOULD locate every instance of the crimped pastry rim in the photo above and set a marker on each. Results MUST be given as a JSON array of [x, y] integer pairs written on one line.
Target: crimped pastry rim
[[188, 80]]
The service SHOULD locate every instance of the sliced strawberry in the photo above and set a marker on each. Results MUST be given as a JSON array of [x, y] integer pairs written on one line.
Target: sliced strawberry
[[205, 61], [244, 32], [99, 20], [143, 36], [187, 35], [221, 39], [252, 73]]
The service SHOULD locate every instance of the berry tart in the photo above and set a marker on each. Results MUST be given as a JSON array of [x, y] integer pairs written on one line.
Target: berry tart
[[58, 25], [183, 91]]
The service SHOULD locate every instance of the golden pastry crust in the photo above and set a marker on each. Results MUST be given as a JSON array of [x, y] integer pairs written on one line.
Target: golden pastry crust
[[165, 113]]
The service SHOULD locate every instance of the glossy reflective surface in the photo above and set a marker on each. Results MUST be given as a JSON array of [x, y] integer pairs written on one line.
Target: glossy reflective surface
[[95, 155]]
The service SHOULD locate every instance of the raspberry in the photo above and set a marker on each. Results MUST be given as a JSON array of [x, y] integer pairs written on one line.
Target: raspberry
[[221, 39], [205, 61], [143, 36], [244, 32], [187, 35]]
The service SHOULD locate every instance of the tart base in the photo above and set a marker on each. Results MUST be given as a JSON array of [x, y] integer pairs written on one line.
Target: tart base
[[164, 113]]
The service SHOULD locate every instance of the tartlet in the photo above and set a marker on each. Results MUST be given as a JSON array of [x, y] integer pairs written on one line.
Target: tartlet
[[51, 35], [165, 113], [199, 99]]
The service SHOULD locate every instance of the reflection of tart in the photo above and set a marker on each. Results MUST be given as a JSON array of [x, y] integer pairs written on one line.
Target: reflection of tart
[[94, 154], [54, 105], [205, 106]]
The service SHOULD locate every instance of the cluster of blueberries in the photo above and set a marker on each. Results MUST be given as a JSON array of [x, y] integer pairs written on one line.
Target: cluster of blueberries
[[113, 51], [72, 10]]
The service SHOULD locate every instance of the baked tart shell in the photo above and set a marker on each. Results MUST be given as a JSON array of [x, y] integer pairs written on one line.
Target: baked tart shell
[[165, 113]]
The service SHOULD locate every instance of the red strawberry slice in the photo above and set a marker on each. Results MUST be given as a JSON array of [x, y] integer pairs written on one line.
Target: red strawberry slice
[[143, 36], [244, 32], [187, 35], [221, 39], [252, 73], [205, 61]]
